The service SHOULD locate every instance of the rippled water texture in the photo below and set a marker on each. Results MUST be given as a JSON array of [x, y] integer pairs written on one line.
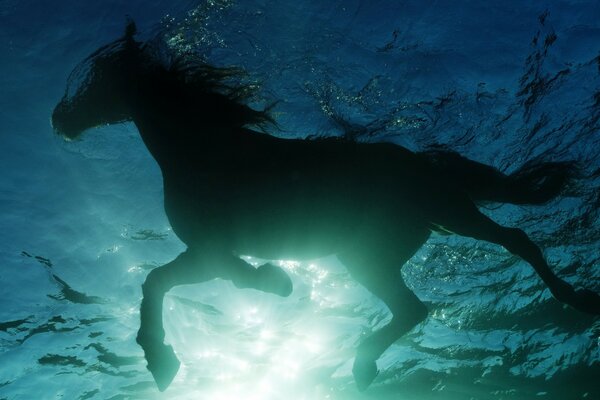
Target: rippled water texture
[[82, 223]]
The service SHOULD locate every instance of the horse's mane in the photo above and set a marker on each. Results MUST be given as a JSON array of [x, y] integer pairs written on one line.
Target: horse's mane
[[185, 79], [220, 89]]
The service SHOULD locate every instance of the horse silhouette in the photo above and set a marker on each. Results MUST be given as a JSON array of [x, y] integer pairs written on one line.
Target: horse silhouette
[[230, 190]]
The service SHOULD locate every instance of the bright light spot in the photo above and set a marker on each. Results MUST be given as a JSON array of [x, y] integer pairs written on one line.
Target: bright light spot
[[264, 387], [260, 348], [223, 377], [251, 260], [286, 366], [312, 345], [240, 364], [134, 269], [133, 310], [289, 264], [209, 353], [266, 334]]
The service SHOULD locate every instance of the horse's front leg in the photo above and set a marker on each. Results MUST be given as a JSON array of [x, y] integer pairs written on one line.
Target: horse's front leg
[[194, 266], [185, 269]]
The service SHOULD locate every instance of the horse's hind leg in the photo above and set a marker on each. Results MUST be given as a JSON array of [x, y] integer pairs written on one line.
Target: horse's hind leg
[[379, 272], [463, 218]]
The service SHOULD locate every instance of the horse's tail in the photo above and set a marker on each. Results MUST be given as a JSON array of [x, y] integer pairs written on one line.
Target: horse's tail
[[533, 183]]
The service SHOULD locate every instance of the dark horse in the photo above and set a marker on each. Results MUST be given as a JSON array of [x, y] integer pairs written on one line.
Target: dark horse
[[230, 191]]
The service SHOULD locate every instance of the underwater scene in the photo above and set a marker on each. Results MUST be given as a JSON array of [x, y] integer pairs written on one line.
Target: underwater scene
[[83, 221]]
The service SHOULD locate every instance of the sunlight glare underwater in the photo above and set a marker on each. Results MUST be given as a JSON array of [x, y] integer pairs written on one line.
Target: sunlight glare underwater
[[260, 347]]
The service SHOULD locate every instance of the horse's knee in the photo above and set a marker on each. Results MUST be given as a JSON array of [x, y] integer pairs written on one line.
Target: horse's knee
[[516, 234], [155, 282], [517, 242], [151, 331]]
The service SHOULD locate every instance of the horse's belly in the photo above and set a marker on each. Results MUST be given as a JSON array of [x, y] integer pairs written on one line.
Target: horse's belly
[[277, 241], [293, 229]]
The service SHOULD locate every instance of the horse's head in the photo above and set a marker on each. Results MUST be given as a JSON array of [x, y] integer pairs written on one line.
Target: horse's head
[[97, 89]]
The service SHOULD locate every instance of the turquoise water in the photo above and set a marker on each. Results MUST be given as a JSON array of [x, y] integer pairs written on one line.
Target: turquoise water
[[82, 222]]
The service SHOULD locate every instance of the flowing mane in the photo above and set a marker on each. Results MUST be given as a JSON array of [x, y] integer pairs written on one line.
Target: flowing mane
[[218, 93], [218, 88]]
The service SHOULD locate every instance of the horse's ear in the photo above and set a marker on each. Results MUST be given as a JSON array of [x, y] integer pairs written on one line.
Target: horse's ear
[[130, 29]]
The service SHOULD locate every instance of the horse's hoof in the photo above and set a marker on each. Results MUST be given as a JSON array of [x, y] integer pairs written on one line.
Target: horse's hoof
[[163, 364], [364, 372], [273, 279]]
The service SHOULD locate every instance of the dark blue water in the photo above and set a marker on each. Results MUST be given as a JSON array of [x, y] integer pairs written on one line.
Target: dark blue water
[[82, 223]]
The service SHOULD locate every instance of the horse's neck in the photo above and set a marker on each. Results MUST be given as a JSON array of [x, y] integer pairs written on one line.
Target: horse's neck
[[174, 144]]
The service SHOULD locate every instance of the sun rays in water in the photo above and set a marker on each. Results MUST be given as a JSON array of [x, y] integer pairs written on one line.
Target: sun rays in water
[[235, 344]]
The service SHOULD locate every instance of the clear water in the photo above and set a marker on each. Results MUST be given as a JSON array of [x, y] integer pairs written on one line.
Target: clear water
[[82, 223]]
